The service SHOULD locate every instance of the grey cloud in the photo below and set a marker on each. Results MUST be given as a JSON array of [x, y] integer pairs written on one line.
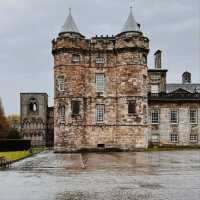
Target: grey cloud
[[27, 28]]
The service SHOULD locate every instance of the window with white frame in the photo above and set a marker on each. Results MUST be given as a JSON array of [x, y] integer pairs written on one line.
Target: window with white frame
[[155, 116], [155, 77], [100, 111], [100, 82], [154, 89], [174, 116], [61, 83], [100, 60], [62, 114], [193, 116], [76, 58], [174, 138], [193, 138]]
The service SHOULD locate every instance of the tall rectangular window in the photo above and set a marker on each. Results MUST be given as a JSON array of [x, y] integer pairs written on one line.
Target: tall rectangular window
[[193, 116], [100, 111], [155, 116], [174, 116], [131, 107], [62, 114], [61, 83], [75, 106], [100, 82]]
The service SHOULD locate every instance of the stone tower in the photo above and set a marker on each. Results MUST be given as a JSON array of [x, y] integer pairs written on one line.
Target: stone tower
[[100, 89], [34, 108]]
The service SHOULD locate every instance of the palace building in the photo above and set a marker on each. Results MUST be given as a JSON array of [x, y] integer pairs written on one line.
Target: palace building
[[107, 97]]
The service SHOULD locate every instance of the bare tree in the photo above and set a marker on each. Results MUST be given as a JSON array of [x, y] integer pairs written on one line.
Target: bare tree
[[4, 126]]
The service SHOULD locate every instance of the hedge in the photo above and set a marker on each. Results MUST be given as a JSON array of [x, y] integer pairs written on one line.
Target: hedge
[[14, 145]]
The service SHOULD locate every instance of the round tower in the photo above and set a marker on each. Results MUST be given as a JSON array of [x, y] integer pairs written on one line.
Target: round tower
[[132, 49], [69, 83]]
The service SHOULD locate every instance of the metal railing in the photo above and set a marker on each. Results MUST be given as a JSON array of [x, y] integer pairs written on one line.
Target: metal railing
[[174, 96]]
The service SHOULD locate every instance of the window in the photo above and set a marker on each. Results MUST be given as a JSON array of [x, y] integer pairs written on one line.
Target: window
[[33, 106], [76, 58], [174, 116], [155, 116], [62, 114], [131, 107], [154, 89], [193, 138], [100, 60], [75, 107], [144, 58], [61, 84], [155, 77], [100, 82], [193, 116], [100, 110], [174, 138]]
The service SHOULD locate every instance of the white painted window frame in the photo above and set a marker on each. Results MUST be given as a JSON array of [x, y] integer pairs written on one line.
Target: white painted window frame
[[100, 113]]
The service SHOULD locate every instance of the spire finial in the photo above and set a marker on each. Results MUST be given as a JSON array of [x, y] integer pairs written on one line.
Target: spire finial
[[132, 6], [70, 10]]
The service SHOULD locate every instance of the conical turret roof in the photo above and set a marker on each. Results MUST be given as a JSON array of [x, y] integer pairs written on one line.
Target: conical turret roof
[[131, 25], [70, 25]]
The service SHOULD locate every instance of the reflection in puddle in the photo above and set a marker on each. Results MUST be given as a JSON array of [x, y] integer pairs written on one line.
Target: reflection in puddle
[[153, 176]]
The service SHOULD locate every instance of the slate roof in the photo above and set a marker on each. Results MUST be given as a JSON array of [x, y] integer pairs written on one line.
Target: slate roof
[[131, 25], [70, 25], [188, 87]]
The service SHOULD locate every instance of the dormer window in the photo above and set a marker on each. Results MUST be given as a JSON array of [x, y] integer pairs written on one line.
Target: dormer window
[[76, 58], [100, 60]]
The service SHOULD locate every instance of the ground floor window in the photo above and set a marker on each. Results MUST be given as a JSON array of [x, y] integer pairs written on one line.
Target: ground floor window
[[174, 138], [193, 138]]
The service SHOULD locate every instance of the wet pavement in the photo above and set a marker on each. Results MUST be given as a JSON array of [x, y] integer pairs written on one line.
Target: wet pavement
[[173, 175]]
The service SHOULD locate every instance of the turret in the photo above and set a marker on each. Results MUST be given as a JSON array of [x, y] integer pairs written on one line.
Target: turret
[[70, 27], [131, 27]]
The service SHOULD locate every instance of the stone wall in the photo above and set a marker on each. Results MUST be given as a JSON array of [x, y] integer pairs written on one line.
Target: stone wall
[[125, 70]]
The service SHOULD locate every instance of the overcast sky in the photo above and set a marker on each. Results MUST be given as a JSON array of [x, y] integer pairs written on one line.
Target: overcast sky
[[28, 27]]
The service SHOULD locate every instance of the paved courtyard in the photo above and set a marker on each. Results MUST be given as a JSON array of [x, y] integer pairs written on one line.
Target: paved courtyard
[[171, 175]]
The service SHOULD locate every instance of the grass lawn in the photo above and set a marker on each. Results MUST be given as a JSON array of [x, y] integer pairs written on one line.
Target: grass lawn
[[16, 155]]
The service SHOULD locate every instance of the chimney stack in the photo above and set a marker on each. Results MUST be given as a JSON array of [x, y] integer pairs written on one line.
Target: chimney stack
[[158, 59], [186, 78]]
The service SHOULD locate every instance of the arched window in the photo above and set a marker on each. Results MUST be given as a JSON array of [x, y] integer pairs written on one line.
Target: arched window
[[33, 106]]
